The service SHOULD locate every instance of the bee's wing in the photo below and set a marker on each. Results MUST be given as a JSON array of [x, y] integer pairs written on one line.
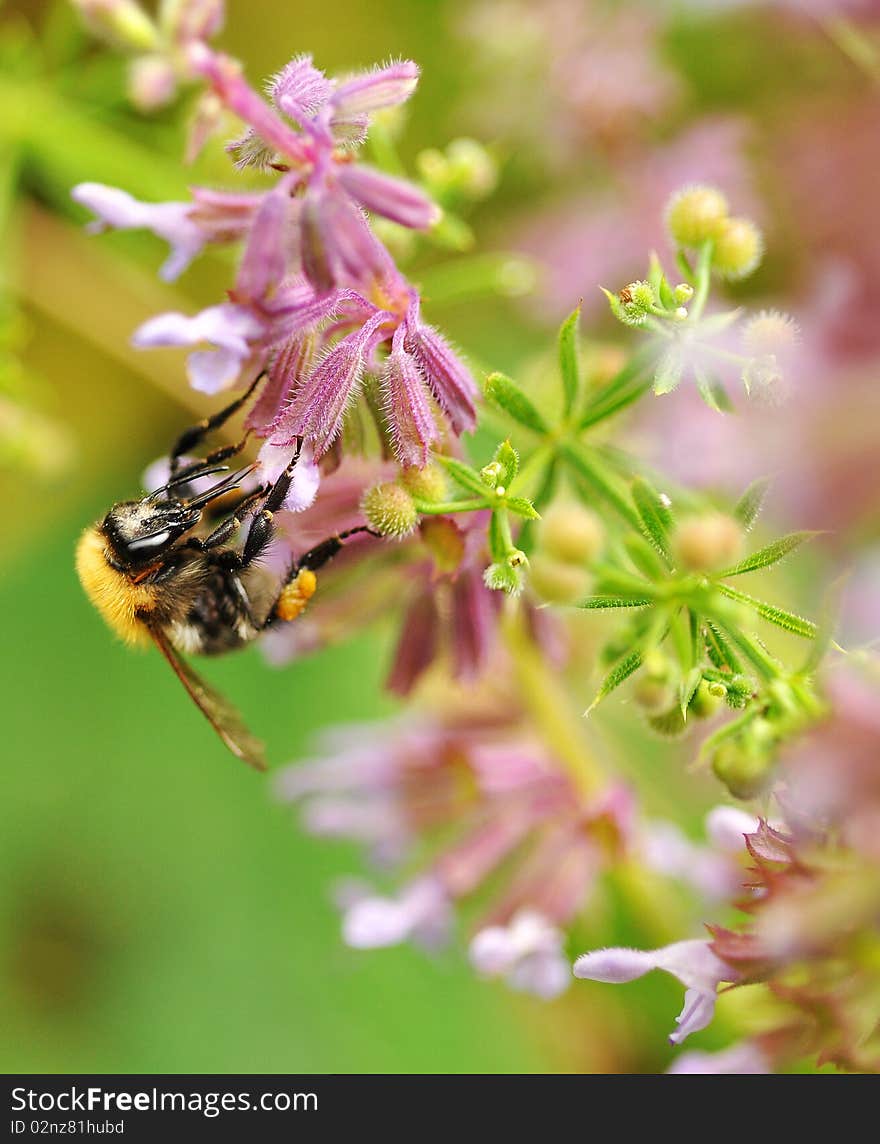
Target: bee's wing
[[219, 712]]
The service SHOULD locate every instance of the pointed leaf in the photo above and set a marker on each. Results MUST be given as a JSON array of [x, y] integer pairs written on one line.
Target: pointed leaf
[[719, 650], [600, 480], [568, 360], [654, 514], [644, 556], [667, 375], [688, 689], [772, 554], [609, 603], [626, 387], [618, 674], [788, 621], [713, 392], [522, 507], [508, 458], [507, 396], [464, 475], [749, 505]]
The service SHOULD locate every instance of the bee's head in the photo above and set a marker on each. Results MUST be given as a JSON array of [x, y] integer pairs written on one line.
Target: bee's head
[[139, 532]]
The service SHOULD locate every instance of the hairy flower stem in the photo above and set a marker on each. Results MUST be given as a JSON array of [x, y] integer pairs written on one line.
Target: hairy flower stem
[[703, 280], [549, 707]]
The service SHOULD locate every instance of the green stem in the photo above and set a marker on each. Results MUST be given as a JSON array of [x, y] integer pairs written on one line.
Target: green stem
[[445, 508], [703, 280], [601, 480], [550, 708]]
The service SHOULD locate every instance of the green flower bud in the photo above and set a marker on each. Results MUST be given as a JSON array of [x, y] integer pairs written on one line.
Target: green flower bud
[[122, 23], [571, 533], [670, 724], [683, 293], [503, 577], [706, 699], [712, 540], [743, 768], [635, 303], [738, 249], [556, 582], [427, 484], [389, 509], [695, 215]]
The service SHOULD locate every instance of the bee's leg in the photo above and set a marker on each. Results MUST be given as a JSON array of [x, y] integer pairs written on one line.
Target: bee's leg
[[227, 527], [193, 436], [300, 583]]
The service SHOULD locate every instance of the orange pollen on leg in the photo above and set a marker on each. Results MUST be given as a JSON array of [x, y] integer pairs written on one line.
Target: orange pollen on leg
[[295, 595]]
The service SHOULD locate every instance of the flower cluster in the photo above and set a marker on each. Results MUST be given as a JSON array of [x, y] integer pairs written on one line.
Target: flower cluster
[[547, 572]]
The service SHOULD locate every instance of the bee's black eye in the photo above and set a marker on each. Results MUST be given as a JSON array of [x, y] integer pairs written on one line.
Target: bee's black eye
[[146, 543]]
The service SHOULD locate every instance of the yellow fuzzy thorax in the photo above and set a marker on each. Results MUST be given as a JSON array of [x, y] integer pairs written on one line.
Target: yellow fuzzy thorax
[[112, 593], [296, 595]]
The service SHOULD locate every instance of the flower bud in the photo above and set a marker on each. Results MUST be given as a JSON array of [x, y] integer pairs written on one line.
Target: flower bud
[[702, 543], [738, 249], [654, 691], [152, 82], [122, 23], [696, 214], [504, 577], [683, 293], [427, 484], [557, 582], [389, 509], [570, 533], [743, 769], [770, 332], [707, 699], [636, 302]]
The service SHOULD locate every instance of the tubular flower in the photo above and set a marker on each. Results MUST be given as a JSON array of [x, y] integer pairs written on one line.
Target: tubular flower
[[507, 805]]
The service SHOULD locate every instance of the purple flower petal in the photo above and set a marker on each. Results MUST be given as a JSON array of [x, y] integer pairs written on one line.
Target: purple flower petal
[[300, 90], [337, 241], [169, 221], [371, 91], [318, 409], [417, 647], [449, 379], [212, 371], [264, 261], [274, 459], [395, 199], [472, 625], [227, 325], [745, 1058], [407, 407]]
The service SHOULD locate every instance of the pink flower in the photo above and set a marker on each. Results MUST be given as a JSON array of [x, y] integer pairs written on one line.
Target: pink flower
[[527, 953], [692, 962]]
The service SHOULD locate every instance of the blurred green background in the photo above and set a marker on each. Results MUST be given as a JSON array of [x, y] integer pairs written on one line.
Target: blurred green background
[[158, 912]]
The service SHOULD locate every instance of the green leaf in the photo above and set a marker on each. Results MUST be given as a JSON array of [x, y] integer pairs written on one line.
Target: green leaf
[[668, 373], [655, 273], [626, 387], [788, 621], [644, 556], [600, 480], [507, 396], [464, 475], [618, 674], [713, 392], [616, 582], [728, 731], [508, 458], [688, 688], [719, 650], [681, 630], [665, 294], [609, 603], [772, 554], [522, 507], [749, 505], [568, 360], [542, 497], [654, 514]]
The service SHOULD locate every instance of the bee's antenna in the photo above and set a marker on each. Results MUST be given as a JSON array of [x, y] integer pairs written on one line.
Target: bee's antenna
[[191, 473], [220, 488]]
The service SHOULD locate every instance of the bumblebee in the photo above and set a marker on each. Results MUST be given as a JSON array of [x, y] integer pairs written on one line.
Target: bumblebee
[[157, 572]]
